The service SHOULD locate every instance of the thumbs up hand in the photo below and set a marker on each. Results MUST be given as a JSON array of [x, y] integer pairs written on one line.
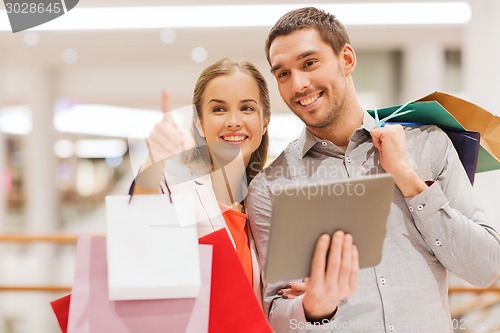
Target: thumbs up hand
[[167, 137]]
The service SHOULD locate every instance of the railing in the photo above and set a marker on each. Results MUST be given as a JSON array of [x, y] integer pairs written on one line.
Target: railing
[[63, 239]]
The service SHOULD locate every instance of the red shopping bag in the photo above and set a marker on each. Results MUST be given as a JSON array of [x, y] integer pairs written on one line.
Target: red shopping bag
[[233, 305], [60, 307]]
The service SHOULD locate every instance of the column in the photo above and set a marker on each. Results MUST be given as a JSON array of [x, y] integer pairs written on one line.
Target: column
[[3, 161], [41, 195], [481, 51], [423, 69]]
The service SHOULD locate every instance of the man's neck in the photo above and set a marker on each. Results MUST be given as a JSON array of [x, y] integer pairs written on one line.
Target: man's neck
[[341, 130]]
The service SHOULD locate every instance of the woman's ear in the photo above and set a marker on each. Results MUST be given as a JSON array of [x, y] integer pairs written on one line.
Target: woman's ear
[[266, 124], [199, 127]]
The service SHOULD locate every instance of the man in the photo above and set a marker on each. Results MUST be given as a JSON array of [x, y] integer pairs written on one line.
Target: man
[[434, 225]]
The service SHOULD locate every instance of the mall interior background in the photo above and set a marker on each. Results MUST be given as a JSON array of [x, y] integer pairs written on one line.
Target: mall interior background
[[70, 101]]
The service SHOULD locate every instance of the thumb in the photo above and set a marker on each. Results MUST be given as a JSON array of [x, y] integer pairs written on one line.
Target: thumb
[[166, 108], [376, 138]]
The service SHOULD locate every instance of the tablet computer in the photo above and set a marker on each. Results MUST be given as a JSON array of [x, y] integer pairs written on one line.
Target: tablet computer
[[301, 213]]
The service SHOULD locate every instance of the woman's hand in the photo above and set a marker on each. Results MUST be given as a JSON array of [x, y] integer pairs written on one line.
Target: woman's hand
[[167, 138], [293, 290]]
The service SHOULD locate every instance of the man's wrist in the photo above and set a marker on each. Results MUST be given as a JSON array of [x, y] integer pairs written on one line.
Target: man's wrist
[[319, 318], [409, 183]]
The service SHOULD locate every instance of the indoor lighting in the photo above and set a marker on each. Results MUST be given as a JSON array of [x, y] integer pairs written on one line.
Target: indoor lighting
[[100, 148], [16, 120], [160, 17], [105, 120]]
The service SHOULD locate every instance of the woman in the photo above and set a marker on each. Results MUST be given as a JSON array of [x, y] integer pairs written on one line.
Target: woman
[[231, 115], [230, 144]]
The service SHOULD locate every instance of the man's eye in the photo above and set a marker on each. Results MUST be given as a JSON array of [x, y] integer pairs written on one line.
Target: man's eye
[[282, 74], [309, 63]]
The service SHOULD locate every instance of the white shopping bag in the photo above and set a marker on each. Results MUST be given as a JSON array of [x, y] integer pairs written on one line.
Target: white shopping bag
[[152, 247]]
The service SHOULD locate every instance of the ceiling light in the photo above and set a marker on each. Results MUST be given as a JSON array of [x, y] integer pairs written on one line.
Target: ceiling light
[[160, 17], [199, 54]]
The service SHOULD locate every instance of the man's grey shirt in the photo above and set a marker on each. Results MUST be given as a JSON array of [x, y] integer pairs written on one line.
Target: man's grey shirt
[[442, 229]]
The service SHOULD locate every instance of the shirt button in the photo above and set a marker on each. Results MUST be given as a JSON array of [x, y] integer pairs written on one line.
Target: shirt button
[[348, 159], [324, 143], [382, 280], [411, 209], [391, 327], [420, 207], [438, 242]]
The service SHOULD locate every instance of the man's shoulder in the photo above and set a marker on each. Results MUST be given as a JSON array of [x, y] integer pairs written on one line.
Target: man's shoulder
[[285, 159], [425, 133]]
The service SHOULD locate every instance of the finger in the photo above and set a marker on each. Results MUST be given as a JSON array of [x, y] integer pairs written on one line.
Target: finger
[[289, 296], [334, 257], [376, 139], [319, 259], [166, 108], [165, 101], [345, 266], [353, 281], [299, 286], [293, 292], [187, 140]]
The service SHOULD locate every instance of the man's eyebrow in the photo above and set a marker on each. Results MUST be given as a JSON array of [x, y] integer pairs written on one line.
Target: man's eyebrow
[[306, 54], [299, 57], [275, 68]]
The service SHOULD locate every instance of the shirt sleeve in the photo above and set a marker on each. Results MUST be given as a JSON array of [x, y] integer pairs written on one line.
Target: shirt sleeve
[[450, 220]]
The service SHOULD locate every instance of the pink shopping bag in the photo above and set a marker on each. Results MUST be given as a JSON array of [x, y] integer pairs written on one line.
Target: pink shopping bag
[[92, 312]]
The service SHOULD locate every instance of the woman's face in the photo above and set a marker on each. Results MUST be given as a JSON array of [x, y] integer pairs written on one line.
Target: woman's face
[[232, 115]]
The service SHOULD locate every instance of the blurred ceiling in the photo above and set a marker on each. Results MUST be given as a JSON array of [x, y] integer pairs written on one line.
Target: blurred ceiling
[[130, 68]]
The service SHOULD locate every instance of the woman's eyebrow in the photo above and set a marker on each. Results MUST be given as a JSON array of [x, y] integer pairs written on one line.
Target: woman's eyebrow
[[248, 100], [216, 101]]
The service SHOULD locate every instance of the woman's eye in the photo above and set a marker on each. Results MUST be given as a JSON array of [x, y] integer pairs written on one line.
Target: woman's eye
[[218, 109], [247, 108]]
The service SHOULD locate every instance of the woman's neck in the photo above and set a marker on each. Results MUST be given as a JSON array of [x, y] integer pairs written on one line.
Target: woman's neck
[[229, 183]]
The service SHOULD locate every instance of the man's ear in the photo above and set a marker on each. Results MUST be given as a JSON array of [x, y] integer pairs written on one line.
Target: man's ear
[[199, 127], [348, 56]]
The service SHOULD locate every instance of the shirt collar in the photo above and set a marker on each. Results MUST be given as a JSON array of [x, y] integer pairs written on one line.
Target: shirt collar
[[307, 140]]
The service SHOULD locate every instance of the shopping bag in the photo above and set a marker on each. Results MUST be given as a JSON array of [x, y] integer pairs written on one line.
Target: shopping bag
[[233, 304], [467, 145], [152, 247], [91, 311], [474, 118], [60, 307], [432, 112]]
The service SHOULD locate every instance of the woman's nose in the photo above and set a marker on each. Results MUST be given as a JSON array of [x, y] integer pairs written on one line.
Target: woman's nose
[[234, 120]]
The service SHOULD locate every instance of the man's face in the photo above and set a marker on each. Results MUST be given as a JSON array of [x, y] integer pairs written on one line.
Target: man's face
[[312, 79]]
